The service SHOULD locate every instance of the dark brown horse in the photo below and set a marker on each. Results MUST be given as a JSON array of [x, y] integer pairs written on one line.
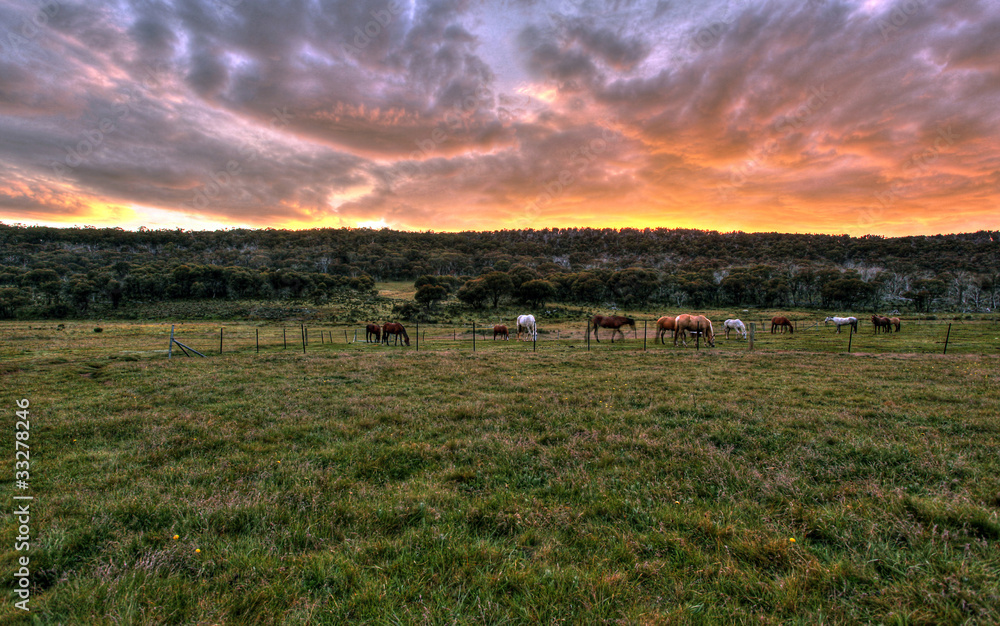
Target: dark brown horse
[[895, 322], [614, 322], [501, 331], [883, 324], [393, 328], [664, 324], [373, 331], [782, 323]]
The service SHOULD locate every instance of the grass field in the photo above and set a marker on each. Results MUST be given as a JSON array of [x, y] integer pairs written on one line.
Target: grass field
[[792, 484]]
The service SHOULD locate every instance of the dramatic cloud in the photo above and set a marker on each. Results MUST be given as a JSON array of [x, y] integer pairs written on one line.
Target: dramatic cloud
[[858, 116]]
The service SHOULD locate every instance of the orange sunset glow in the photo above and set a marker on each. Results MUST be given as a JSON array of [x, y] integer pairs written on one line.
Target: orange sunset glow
[[824, 116]]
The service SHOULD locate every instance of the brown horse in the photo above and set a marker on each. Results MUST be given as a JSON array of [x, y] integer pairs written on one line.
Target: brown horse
[[781, 322], [393, 328], [883, 324], [614, 322], [685, 324], [373, 331], [664, 324], [895, 322], [501, 331]]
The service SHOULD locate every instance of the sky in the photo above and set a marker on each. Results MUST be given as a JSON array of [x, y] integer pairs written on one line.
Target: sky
[[805, 116]]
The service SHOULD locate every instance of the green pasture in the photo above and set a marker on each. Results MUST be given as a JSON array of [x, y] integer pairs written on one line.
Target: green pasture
[[363, 483]]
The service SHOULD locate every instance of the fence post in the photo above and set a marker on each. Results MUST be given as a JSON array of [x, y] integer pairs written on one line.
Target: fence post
[[418, 335], [753, 334], [850, 335], [257, 332], [220, 341], [170, 348], [588, 335], [284, 339], [643, 335], [946, 339], [473, 335], [302, 334]]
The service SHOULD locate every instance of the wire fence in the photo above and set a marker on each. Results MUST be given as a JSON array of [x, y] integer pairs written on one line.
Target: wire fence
[[79, 341], [914, 337]]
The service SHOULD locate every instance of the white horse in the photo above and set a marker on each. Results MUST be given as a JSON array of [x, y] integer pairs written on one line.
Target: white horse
[[527, 324], [736, 325], [843, 321]]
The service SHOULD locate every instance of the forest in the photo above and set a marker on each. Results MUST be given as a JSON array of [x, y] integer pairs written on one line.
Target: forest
[[50, 272]]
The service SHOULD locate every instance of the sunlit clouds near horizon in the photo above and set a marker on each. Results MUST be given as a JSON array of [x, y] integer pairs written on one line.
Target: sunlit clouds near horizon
[[824, 116]]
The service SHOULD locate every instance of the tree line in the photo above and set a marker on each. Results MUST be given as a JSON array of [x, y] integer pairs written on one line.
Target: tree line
[[57, 272]]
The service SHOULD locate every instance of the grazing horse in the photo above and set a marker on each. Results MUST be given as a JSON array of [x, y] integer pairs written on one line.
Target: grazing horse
[[880, 323], [693, 323], [736, 325], [373, 331], [526, 323], [664, 324], [614, 322], [843, 321], [501, 331], [393, 328], [895, 322], [782, 322]]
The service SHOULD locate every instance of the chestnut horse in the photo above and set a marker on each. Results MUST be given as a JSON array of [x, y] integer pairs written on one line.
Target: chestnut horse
[[614, 322], [664, 324], [693, 323], [373, 330], [880, 323], [781, 322], [895, 322], [502, 331], [393, 328]]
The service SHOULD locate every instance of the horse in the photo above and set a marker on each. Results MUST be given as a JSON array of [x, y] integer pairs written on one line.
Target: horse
[[895, 322], [736, 325], [614, 322], [396, 329], [843, 321], [781, 322], [881, 323], [693, 323], [664, 324], [373, 330], [501, 330], [526, 323]]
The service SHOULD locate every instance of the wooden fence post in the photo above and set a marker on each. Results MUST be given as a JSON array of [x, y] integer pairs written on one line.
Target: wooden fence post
[[946, 339], [850, 335], [257, 333], [284, 339], [220, 341], [643, 335], [418, 335], [170, 348], [588, 335], [473, 335]]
